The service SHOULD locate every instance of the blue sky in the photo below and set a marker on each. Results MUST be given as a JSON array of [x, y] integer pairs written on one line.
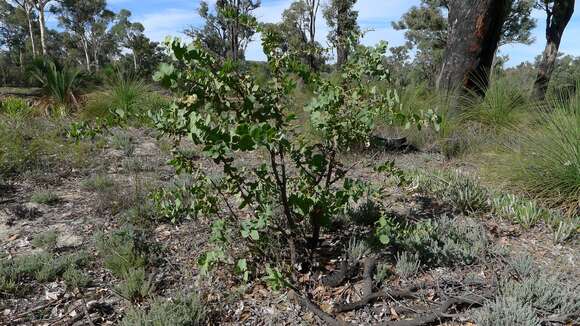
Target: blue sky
[[171, 17]]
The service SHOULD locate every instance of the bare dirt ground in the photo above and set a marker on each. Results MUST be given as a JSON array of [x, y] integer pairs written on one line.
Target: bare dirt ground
[[80, 213]]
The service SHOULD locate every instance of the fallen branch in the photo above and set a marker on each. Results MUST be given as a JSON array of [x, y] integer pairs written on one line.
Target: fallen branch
[[346, 270], [406, 293], [439, 314], [307, 304]]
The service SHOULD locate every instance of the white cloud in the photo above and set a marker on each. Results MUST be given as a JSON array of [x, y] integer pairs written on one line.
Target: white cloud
[[168, 22]]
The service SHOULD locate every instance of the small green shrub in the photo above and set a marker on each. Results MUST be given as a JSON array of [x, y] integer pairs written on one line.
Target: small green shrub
[[506, 311], [123, 250], [126, 91], [135, 285], [42, 267], [14, 107], [75, 278], [563, 228], [98, 183], [407, 264], [528, 214], [121, 140], [503, 106], [46, 240], [185, 310], [367, 213], [135, 165], [382, 273], [45, 197], [59, 82]]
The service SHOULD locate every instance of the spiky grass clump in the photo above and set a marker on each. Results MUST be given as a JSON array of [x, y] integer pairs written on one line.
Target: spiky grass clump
[[59, 82], [14, 107], [126, 90], [546, 162], [503, 106]]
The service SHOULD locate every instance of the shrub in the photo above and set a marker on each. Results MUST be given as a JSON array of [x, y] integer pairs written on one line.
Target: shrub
[[523, 265], [126, 91], [460, 191], [46, 240], [135, 285], [228, 113], [74, 278], [98, 183], [507, 311], [564, 229], [45, 197], [42, 267], [185, 310], [121, 140], [124, 250], [14, 107], [366, 213], [546, 293], [447, 242], [407, 264], [546, 159], [357, 249]]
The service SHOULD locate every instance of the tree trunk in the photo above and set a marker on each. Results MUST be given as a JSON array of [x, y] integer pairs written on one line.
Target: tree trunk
[[96, 58], [474, 33], [42, 28], [87, 58], [21, 59], [135, 60], [556, 21], [28, 9], [341, 37]]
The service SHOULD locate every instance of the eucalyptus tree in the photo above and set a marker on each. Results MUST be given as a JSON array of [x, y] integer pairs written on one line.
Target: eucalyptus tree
[[298, 32], [130, 34], [229, 27], [40, 6], [558, 15], [88, 23], [427, 28], [342, 20], [13, 32], [474, 34], [28, 8]]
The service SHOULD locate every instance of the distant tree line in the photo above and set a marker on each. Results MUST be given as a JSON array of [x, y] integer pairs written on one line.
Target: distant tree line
[[89, 35], [456, 43]]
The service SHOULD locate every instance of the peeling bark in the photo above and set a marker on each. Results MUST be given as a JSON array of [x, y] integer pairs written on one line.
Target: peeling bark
[[557, 18], [474, 33]]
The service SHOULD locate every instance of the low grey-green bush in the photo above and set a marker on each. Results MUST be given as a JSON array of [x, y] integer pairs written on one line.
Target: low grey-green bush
[[407, 264], [46, 240], [506, 311], [184, 310], [45, 197]]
